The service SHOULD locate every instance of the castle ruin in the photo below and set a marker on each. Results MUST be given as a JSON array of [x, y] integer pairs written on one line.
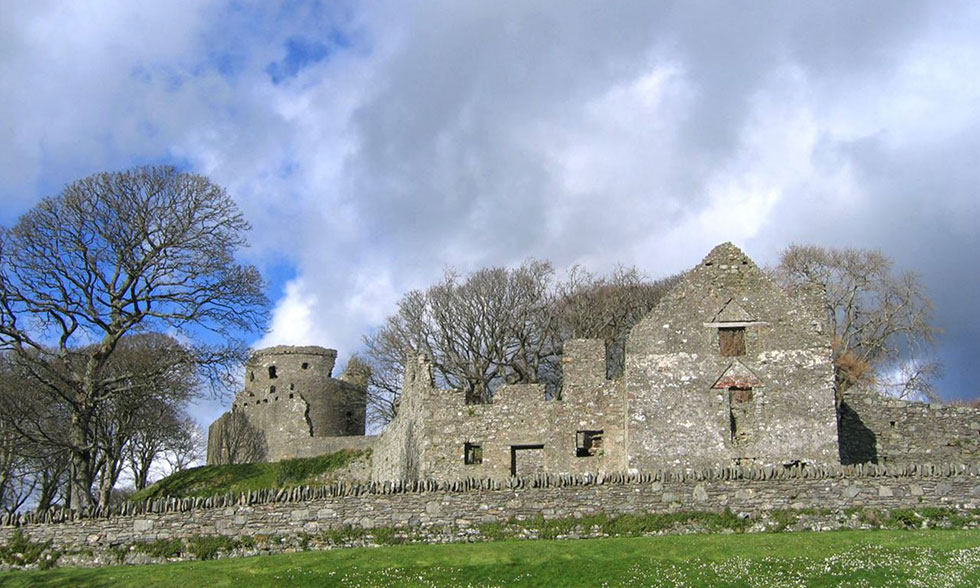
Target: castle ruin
[[290, 407], [727, 370]]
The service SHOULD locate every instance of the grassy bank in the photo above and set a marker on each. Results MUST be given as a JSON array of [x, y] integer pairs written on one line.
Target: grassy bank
[[212, 480], [842, 558]]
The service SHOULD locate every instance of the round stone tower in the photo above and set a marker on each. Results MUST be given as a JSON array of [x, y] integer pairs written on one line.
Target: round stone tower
[[335, 407]]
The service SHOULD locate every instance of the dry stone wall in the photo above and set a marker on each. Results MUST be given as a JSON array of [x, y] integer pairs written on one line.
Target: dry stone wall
[[883, 430], [431, 507]]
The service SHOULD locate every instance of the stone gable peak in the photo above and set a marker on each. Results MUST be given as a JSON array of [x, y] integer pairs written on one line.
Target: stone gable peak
[[727, 254]]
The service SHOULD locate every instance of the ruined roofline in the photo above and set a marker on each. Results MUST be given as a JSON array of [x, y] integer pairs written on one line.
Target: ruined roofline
[[809, 298], [295, 350], [578, 371]]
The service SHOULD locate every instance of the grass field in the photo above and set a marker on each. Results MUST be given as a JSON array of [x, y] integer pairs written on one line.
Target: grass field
[[213, 480], [924, 558]]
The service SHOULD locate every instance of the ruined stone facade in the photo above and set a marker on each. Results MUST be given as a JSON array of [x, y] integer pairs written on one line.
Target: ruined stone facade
[[727, 370], [291, 406], [436, 435]]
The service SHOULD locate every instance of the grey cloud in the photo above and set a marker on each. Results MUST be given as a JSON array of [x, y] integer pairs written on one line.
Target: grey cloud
[[475, 134]]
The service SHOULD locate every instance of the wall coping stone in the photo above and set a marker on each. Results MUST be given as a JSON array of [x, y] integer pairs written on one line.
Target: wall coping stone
[[342, 488]]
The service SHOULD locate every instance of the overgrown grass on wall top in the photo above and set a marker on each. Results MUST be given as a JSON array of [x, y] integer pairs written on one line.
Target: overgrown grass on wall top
[[222, 479]]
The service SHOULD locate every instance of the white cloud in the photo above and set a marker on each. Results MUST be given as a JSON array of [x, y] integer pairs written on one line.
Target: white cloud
[[293, 320], [468, 134]]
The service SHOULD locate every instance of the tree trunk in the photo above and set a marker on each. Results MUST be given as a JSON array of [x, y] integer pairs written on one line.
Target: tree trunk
[[80, 475]]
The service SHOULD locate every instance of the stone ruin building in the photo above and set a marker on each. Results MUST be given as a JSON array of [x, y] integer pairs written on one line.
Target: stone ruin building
[[728, 369], [291, 406]]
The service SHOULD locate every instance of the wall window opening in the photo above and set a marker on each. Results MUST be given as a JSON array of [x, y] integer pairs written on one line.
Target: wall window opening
[[472, 453], [741, 415], [272, 371], [588, 443], [731, 341]]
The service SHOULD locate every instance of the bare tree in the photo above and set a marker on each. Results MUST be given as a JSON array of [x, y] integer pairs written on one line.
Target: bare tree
[[234, 439], [480, 331], [590, 306], [501, 325], [186, 444], [883, 334], [160, 379], [32, 433], [17, 481], [148, 249], [174, 440]]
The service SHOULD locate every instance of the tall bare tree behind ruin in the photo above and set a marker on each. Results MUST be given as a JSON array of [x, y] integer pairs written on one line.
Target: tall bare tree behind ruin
[[881, 320], [144, 250], [500, 325], [593, 306], [236, 440]]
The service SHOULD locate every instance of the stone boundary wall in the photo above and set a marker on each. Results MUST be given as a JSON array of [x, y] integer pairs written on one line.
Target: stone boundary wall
[[876, 429], [431, 507]]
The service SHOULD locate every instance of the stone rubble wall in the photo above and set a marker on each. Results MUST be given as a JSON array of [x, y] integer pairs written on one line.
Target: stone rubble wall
[[317, 446], [399, 449], [427, 438], [883, 430], [678, 380], [294, 406], [430, 506]]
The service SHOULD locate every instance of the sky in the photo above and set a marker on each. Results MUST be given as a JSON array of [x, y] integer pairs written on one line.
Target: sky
[[374, 144]]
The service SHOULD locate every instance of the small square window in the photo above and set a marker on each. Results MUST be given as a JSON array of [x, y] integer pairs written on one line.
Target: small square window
[[272, 371], [740, 395], [731, 341], [472, 453], [588, 443]]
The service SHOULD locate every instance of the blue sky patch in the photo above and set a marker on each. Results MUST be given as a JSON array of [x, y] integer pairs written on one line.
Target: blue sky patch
[[302, 53]]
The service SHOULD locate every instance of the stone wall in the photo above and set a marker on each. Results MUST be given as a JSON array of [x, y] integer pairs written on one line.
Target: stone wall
[[399, 449], [729, 369], [292, 407], [438, 435], [430, 505], [883, 430]]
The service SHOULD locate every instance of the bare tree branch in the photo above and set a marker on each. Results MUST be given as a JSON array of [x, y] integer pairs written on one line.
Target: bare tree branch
[[882, 322], [113, 255]]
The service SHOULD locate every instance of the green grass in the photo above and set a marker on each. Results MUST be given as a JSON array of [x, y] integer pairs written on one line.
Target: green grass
[[212, 480], [842, 558]]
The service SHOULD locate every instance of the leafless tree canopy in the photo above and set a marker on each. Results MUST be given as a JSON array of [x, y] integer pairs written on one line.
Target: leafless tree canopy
[[238, 440], [500, 325], [115, 254], [882, 321]]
